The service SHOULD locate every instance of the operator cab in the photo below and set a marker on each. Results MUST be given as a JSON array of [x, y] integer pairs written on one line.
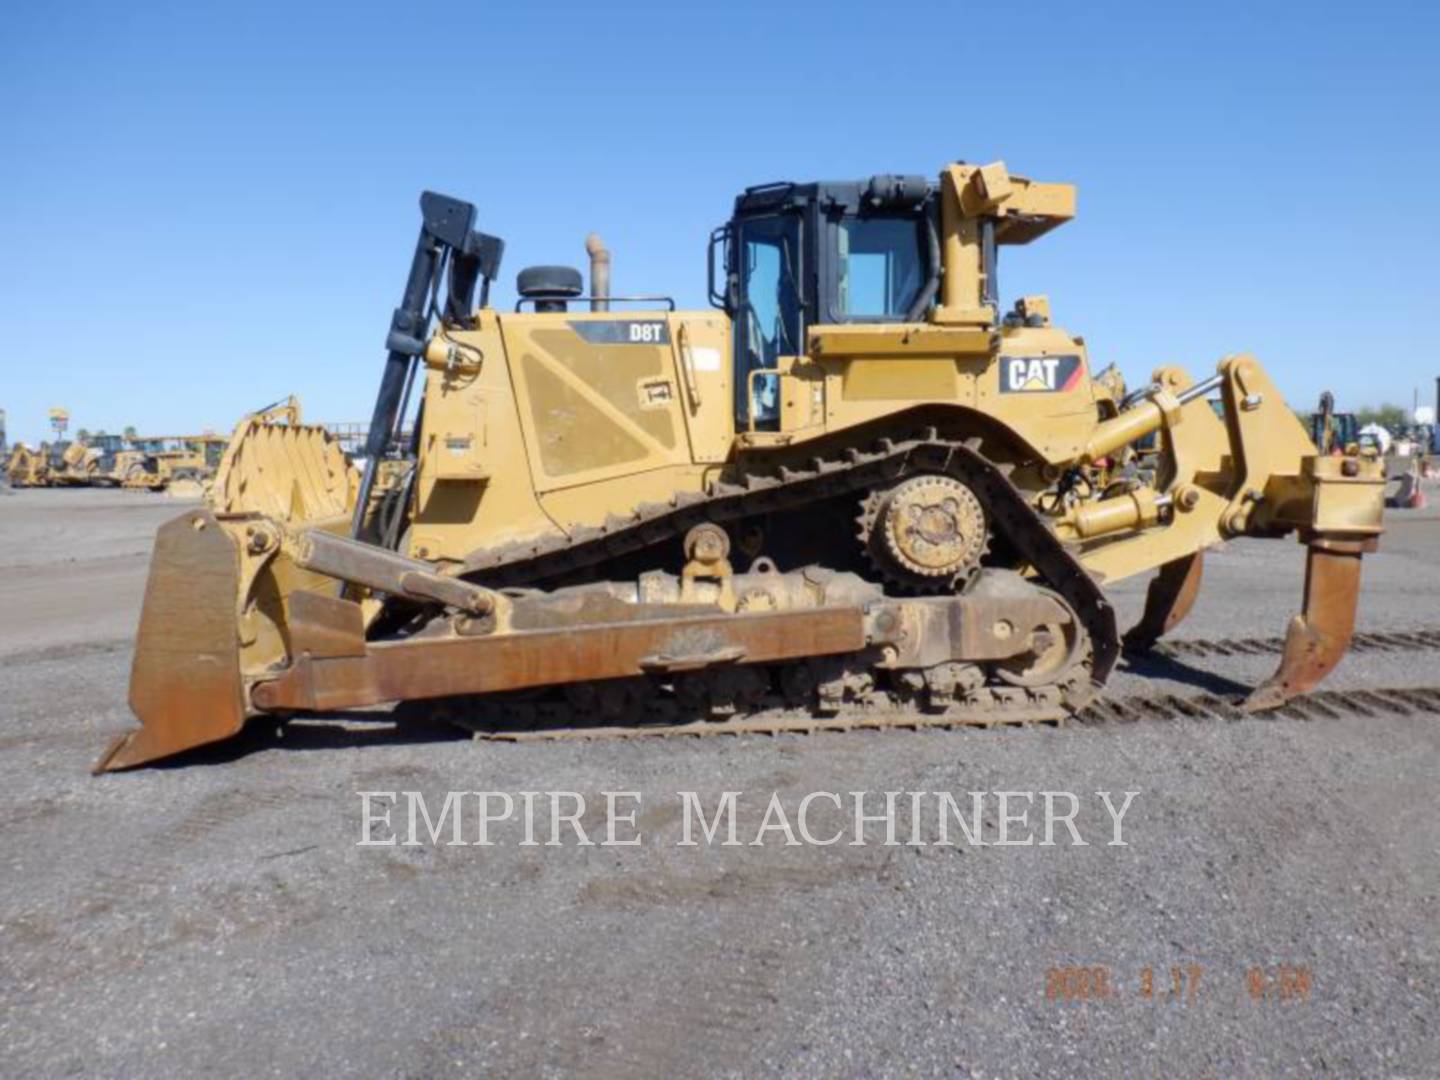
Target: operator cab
[[108, 446], [800, 255]]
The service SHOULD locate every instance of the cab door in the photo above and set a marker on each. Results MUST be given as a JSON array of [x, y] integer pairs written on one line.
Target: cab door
[[770, 320]]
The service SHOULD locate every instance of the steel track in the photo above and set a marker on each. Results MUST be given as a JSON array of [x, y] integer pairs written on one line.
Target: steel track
[[1423, 701], [994, 706], [1421, 640], [991, 706]]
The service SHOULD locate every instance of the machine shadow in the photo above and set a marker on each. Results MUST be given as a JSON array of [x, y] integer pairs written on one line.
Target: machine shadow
[[327, 731], [1156, 666]]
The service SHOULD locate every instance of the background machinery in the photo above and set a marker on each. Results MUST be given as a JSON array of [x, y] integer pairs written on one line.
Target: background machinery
[[1334, 432], [855, 492], [180, 464], [25, 467], [71, 463]]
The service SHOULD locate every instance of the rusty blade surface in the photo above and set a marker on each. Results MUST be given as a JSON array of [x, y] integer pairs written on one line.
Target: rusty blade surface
[[1320, 635], [1168, 600], [185, 681], [456, 666]]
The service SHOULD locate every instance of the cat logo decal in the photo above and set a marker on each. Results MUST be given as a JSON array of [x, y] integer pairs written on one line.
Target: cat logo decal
[[1039, 374]]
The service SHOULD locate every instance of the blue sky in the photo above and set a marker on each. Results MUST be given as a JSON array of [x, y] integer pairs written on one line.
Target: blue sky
[[204, 207]]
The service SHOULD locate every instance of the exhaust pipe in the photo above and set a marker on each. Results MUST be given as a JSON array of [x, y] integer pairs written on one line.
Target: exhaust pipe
[[599, 272]]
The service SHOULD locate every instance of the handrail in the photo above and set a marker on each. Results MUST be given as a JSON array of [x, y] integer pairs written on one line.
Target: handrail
[[612, 299]]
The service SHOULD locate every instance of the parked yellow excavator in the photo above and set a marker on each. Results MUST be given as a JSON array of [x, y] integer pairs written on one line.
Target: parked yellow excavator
[[856, 492]]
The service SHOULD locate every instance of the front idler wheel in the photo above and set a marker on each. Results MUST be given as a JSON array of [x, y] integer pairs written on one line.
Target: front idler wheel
[[1056, 655]]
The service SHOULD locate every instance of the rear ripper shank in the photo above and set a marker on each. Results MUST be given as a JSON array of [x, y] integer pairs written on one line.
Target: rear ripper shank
[[923, 493]]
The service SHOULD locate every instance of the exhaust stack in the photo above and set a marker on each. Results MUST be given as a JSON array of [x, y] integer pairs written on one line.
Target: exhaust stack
[[599, 272]]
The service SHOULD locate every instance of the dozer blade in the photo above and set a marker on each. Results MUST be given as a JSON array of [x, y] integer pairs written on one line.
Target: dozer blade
[[1168, 600], [185, 682], [1320, 634]]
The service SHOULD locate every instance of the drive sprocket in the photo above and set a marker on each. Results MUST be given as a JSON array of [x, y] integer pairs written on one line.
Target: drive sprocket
[[925, 534]]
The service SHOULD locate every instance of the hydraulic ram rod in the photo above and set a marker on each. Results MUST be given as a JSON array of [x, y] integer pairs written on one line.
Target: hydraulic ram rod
[[446, 226], [1160, 408]]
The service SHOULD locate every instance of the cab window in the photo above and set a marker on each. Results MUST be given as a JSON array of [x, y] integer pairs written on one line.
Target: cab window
[[879, 265]]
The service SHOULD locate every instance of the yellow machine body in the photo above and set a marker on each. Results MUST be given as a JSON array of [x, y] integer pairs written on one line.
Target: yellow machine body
[[25, 467], [993, 473]]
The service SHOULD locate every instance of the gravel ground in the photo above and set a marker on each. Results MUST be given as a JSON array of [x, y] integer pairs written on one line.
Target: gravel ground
[[218, 917]]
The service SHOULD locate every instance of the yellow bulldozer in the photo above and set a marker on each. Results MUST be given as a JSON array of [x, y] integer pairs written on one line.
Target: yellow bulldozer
[[855, 492]]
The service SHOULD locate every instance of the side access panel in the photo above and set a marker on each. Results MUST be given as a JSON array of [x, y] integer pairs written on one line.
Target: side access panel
[[704, 352], [598, 394], [473, 486]]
